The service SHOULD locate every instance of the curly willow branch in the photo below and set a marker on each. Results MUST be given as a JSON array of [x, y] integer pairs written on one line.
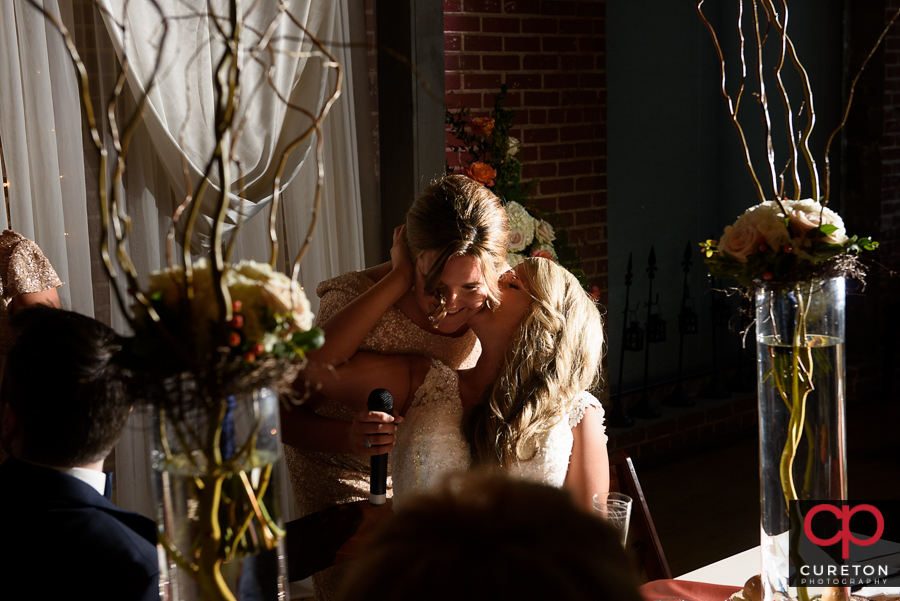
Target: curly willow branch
[[733, 107], [110, 215], [320, 168], [807, 91], [788, 113], [849, 102], [763, 101]]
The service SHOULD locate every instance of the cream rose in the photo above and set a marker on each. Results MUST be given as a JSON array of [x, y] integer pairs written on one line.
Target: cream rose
[[808, 214], [516, 240], [543, 231], [740, 240]]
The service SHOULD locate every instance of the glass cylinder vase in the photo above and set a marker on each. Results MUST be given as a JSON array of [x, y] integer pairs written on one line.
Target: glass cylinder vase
[[800, 350], [214, 460]]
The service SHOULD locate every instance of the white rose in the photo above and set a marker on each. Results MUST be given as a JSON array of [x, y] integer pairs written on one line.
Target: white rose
[[516, 240], [544, 232], [808, 214], [513, 146]]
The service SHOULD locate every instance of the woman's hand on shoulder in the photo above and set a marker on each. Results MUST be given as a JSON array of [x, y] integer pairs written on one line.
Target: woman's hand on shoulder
[[400, 262], [373, 433]]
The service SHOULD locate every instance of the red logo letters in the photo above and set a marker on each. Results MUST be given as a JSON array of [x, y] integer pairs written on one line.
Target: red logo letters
[[844, 513]]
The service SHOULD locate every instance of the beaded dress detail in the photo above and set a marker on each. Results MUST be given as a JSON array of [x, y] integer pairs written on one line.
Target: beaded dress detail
[[430, 444], [23, 269], [320, 480]]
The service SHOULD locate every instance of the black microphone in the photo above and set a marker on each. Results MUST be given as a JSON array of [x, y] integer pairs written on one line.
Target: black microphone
[[379, 400]]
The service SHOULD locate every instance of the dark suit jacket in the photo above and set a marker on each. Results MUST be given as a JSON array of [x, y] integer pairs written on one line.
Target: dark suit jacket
[[60, 539]]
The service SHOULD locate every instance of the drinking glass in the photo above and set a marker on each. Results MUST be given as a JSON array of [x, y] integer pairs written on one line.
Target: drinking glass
[[615, 508]]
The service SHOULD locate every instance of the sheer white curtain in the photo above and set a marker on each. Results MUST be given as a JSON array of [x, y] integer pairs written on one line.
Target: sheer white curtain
[[337, 245], [154, 183], [40, 133]]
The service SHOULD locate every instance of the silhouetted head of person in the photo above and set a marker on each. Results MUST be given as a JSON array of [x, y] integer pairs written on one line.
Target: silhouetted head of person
[[63, 398], [486, 536]]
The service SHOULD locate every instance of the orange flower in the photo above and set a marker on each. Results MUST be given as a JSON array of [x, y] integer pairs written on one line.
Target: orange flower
[[594, 293], [482, 126], [543, 254], [482, 173]]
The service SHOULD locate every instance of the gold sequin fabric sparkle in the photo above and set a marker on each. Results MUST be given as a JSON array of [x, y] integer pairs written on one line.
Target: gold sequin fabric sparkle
[[23, 269], [321, 480]]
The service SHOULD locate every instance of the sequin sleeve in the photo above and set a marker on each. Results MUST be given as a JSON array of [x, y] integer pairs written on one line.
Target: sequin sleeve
[[24, 267], [331, 302]]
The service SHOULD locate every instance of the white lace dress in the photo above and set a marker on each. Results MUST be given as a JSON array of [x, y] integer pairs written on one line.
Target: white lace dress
[[430, 443]]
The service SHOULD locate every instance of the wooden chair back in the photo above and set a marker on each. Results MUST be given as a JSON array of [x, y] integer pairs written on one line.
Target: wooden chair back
[[643, 542]]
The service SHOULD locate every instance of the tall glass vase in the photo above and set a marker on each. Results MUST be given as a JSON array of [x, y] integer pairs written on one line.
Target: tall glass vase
[[216, 486], [800, 348]]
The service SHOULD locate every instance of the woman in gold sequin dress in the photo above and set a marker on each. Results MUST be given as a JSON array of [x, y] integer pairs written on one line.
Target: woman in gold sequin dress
[[457, 235], [26, 278]]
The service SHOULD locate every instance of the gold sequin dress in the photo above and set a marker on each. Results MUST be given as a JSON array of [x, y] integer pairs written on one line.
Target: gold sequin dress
[[23, 269], [321, 480]]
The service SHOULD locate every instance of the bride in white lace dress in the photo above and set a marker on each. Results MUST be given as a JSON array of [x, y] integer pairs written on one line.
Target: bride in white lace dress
[[523, 407]]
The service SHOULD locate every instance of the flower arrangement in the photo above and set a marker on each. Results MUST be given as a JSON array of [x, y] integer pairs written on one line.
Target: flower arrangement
[[793, 254], [214, 342], [781, 240], [271, 316], [488, 154]]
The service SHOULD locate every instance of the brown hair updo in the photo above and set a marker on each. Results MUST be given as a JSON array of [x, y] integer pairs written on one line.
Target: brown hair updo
[[457, 216]]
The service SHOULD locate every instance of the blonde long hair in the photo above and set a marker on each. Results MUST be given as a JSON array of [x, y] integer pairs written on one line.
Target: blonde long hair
[[457, 216], [554, 355]]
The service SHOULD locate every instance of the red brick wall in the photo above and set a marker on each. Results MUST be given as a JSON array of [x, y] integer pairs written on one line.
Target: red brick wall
[[551, 55]]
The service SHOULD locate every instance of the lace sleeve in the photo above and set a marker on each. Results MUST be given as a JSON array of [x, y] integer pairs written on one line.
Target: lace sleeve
[[584, 400]]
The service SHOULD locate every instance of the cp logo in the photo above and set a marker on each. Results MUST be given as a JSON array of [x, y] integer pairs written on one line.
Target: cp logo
[[844, 514]]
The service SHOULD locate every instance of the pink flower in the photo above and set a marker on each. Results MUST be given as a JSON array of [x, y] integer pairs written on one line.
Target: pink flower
[[543, 254], [594, 293]]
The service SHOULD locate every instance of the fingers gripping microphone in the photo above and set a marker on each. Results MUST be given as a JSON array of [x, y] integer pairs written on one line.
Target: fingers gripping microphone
[[379, 400]]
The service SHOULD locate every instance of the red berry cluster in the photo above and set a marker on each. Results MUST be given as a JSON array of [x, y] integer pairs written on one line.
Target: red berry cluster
[[235, 337]]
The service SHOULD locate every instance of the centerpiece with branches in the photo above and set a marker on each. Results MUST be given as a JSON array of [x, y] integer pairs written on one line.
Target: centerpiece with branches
[[791, 254], [214, 342]]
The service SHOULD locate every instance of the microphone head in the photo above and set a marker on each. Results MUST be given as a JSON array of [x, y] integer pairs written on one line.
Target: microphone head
[[380, 400]]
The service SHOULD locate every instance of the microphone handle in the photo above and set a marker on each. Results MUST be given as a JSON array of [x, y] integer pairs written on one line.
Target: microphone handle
[[378, 480]]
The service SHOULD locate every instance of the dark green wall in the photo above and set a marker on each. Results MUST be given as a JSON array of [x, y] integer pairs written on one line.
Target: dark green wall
[[675, 170]]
